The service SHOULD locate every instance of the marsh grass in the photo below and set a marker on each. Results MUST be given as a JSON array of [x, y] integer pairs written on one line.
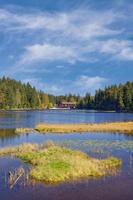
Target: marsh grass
[[120, 127], [54, 164], [116, 145], [23, 130]]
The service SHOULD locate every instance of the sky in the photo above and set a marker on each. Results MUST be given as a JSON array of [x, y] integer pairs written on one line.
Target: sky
[[67, 46]]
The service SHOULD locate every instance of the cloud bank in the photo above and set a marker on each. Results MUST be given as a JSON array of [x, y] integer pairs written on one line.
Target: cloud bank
[[37, 39]]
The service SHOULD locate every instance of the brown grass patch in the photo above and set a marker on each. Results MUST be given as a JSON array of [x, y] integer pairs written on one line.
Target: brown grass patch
[[121, 127]]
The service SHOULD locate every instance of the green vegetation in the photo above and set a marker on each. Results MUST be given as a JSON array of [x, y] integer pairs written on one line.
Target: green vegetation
[[119, 98], [54, 164], [101, 148], [122, 127], [15, 95], [113, 98], [116, 145]]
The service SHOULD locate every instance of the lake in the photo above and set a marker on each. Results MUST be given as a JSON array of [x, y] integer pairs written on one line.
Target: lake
[[13, 119], [99, 145]]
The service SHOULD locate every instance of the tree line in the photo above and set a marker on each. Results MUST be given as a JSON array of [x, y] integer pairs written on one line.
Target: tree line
[[113, 98], [16, 95]]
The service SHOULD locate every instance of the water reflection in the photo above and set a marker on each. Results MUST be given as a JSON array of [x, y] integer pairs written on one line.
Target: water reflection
[[7, 133], [12, 119]]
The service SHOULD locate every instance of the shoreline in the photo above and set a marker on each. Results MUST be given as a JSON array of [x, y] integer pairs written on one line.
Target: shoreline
[[60, 109]]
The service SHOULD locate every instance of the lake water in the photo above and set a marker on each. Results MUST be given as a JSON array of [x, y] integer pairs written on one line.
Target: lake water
[[13, 119], [99, 145]]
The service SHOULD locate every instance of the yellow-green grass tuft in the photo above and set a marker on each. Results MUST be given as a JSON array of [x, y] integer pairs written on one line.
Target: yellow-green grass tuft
[[55, 164]]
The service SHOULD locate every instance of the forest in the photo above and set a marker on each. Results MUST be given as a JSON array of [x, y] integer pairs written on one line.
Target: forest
[[17, 95]]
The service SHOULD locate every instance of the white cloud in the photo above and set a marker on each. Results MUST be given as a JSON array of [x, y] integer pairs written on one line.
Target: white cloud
[[66, 37], [81, 85], [120, 49], [78, 23], [126, 54], [90, 84], [49, 52], [40, 85], [53, 89]]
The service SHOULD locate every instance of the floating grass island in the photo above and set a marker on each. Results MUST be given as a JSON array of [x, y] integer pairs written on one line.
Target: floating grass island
[[24, 130], [53, 164], [121, 127]]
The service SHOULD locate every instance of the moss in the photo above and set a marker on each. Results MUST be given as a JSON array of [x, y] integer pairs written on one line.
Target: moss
[[54, 164]]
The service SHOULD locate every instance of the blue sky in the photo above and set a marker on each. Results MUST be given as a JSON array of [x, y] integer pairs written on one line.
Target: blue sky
[[67, 46]]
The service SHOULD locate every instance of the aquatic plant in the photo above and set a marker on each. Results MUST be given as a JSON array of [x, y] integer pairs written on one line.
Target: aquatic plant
[[54, 164]]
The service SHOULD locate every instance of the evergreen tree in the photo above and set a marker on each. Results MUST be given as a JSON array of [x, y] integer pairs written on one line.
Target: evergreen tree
[[15, 95]]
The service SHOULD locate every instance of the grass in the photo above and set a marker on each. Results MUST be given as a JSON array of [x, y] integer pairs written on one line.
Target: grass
[[116, 145], [121, 127], [23, 130], [53, 164]]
